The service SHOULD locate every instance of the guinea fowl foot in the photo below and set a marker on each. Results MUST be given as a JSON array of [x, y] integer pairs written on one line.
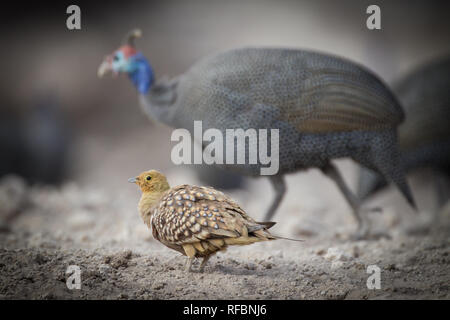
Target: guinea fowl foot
[[360, 213], [364, 231], [367, 234], [358, 236]]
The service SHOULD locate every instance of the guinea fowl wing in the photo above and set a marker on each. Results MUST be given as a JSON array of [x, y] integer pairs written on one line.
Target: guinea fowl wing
[[315, 93]]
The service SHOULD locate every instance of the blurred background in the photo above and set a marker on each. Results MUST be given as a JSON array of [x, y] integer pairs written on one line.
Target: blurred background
[[59, 122], [69, 141]]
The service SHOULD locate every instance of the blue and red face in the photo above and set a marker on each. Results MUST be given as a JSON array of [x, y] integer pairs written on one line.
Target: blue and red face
[[127, 60]]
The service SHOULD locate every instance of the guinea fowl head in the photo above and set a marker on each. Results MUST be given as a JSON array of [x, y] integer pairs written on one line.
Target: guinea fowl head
[[151, 181], [128, 60]]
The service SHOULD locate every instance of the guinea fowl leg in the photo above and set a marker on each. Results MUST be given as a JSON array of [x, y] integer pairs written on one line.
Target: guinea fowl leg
[[442, 192], [279, 186], [363, 228]]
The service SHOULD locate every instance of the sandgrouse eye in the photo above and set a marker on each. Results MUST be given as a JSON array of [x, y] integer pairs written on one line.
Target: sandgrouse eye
[[148, 178]]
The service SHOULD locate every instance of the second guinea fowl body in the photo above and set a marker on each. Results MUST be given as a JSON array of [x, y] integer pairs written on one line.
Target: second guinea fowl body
[[324, 107], [424, 137], [195, 221]]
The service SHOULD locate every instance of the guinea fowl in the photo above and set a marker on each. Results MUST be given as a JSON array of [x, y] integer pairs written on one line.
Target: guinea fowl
[[424, 137], [325, 107]]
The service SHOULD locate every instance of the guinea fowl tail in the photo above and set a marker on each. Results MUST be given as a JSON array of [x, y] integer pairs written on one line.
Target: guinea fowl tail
[[405, 190], [398, 176], [389, 163]]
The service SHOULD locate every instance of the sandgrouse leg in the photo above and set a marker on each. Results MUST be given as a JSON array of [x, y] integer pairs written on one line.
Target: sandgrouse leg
[[188, 266], [202, 265]]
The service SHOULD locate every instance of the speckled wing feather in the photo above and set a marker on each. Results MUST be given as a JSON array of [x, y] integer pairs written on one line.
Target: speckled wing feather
[[203, 217], [313, 92]]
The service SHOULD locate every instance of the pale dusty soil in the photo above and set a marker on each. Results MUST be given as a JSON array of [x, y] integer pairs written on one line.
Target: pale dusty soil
[[44, 230]]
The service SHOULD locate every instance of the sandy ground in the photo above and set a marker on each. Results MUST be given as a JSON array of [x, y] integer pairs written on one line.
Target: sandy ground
[[92, 222], [46, 229]]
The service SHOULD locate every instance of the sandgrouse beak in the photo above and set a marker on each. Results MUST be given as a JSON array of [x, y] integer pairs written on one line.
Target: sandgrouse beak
[[132, 180]]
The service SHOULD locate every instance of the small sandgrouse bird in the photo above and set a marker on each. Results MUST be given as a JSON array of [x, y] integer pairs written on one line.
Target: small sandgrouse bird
[[196, 221]]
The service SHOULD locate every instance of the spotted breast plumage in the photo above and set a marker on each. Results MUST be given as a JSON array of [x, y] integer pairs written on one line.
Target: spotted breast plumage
[[195, 221]]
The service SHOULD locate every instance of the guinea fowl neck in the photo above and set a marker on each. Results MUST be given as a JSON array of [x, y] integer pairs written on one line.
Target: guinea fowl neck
[[142, 74], [159, 102]]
